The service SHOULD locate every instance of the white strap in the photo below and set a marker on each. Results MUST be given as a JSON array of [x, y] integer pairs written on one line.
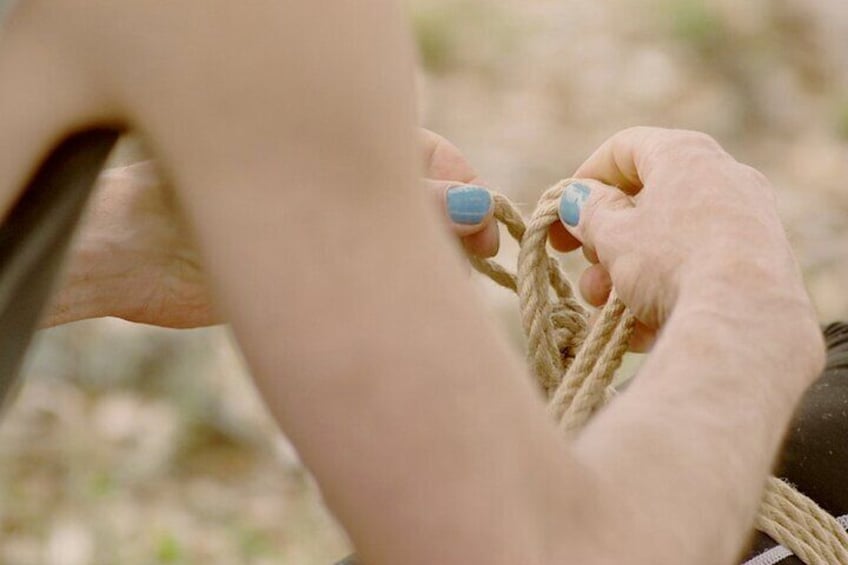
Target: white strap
[[778, 553]]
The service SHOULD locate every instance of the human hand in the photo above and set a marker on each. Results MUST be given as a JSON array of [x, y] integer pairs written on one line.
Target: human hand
[[135, 257], [686, 223]]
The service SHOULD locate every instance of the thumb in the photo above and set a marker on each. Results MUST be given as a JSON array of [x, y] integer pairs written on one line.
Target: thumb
[[588, 210]]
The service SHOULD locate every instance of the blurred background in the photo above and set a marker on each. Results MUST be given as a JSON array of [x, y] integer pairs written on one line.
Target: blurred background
[[130, 444]]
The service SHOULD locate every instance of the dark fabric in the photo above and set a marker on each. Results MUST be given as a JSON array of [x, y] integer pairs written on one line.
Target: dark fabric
[[836, 336], [815, 455], [34, 237]]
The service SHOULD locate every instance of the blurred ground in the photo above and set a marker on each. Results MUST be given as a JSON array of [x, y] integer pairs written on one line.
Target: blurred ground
[[139, 446]]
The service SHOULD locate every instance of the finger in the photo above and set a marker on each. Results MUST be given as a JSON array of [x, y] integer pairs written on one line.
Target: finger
[[613, 163], [590, 254], [593, 213], [484, 243], [443, 160], [595, 285], [561, 240], [643, 338], [628, 159], [468, 208]]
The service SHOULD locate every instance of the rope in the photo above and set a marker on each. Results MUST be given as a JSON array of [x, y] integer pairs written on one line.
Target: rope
[[575, 365], [802, 526], [778, 553]]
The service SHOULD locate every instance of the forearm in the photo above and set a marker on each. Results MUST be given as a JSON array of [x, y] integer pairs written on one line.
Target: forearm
[[436, 448], [683, 454], [356, 321], [670, 473]]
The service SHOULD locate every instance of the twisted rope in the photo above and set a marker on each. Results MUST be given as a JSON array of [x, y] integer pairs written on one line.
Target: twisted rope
[[575, 365], [802, 526]]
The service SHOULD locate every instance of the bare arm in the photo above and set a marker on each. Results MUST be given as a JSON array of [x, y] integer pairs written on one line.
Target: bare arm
[[691, 240], [427, 442], [353, 350], [697, 432]]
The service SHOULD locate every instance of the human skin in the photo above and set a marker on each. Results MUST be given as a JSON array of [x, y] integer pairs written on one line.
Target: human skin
[[288, 134], [135, 257]]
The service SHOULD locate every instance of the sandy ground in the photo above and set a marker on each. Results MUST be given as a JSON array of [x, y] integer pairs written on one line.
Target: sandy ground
[[135, 445]]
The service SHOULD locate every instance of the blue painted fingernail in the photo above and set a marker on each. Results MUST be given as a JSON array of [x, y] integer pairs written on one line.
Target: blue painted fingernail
[[573, 198], [468, 205]]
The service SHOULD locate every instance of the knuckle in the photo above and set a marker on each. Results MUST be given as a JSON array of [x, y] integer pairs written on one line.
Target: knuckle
[[757, 180], [597, 211], [605, 199], [755, 176], [691, 151], [639, 134], [638, 131], [591, 207], [697, 139], [692, 142]]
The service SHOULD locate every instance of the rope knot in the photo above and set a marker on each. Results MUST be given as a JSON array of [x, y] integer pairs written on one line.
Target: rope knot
[[568, 329]]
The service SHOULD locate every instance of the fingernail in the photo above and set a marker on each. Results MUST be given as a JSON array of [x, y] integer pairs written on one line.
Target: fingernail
[[468, 205], [573, 198]]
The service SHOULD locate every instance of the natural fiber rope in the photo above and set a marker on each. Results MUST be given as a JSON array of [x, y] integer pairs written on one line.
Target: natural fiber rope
[[575, 366], [799, 524]]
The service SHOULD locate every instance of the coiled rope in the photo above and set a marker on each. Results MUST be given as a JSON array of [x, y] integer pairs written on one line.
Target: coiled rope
[[575, 365]]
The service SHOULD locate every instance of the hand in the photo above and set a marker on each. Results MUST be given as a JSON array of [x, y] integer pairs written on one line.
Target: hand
[[135, 258], [686, 222]]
